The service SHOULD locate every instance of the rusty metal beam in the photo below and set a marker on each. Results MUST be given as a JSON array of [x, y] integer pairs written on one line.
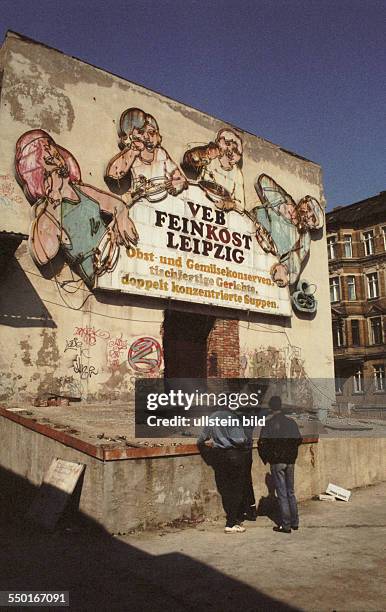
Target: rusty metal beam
[[108, 452]]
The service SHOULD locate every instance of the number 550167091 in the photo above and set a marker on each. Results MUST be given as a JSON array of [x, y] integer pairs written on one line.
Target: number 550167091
[[34, 598]]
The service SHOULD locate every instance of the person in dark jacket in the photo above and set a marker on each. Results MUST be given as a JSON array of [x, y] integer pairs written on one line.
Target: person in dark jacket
[[278, 446]]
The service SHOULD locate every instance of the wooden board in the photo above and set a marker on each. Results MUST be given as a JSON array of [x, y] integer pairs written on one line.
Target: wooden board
[[58, 485]]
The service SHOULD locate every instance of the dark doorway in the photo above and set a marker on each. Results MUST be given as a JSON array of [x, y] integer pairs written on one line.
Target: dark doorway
[[185, 339]]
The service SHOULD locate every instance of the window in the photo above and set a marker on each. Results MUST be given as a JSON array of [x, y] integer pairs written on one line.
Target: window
[[376, 335], [384, 237], [334, 289], [347, 241], [355, 335], [337, 334], [358, 381], [338, 385], [331, 247], [368, 240], [379, 378], [351, 288], [372, 285]]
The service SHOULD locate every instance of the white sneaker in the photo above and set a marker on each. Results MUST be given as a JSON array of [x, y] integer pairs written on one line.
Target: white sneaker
[[234, 529]]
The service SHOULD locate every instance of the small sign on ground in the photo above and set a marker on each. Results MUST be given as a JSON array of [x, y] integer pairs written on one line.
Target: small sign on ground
[[55, 492], [338, 492]]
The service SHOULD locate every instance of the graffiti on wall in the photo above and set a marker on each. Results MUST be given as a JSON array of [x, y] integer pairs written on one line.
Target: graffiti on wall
[[67, 213], [90, 334], [80, 359], [143, 165], [85, 370], [73, 344], [145, 355], [116, 348], [8, 193], [114, 355]]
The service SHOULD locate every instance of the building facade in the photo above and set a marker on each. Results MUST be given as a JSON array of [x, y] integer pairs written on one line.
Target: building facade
[[356, 245], [141, 237]]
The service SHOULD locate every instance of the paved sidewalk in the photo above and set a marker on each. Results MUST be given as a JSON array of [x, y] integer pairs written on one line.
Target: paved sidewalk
[[336, 561]]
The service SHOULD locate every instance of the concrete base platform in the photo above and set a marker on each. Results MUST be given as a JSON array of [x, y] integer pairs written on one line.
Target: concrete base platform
[[127, 488]]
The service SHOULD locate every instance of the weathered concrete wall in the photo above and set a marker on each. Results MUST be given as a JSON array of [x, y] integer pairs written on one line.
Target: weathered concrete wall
[[168, 489], [56, 337], [135, 493], [51, 344], [29, 454], [354, 462]]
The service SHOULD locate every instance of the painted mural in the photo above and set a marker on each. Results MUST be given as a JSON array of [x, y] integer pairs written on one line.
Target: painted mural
[[67, 213], [217, 168], [146, 167], [283, 229], [89, 225]]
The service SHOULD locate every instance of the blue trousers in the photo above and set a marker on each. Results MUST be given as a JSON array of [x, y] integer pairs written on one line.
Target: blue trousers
[[283, 475]]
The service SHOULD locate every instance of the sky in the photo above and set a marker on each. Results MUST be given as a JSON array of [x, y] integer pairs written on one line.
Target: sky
[[308, 75]]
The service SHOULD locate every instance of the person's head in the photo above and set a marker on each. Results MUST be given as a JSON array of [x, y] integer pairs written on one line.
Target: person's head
[[309, 214], [138, 126], [275, 404], [37, 158], [230, 146], [279, 274]]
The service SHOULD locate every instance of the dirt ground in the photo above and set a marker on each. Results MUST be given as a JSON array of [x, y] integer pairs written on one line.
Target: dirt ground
[[336, 561]]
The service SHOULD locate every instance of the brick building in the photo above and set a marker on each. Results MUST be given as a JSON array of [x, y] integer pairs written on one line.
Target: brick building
[[356, 245]]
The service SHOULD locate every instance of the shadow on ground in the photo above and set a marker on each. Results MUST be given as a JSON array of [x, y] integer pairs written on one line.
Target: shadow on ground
[[102, 572]]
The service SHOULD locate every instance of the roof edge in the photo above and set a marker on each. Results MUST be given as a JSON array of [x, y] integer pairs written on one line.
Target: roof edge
[[12, 34]]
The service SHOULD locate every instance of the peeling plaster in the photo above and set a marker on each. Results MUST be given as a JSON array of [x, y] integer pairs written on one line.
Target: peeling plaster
[[68, 70], [37, 106], [118, 385], [49, 384], [26, 347], [48, 354], [35, 61]]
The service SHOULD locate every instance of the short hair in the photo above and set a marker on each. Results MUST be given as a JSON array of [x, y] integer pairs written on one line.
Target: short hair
[[275, 402], [135, 118]]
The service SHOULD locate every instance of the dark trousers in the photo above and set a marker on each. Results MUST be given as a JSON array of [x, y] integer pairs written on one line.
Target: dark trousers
[[231, 470], [249, 501], [283, 475]]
